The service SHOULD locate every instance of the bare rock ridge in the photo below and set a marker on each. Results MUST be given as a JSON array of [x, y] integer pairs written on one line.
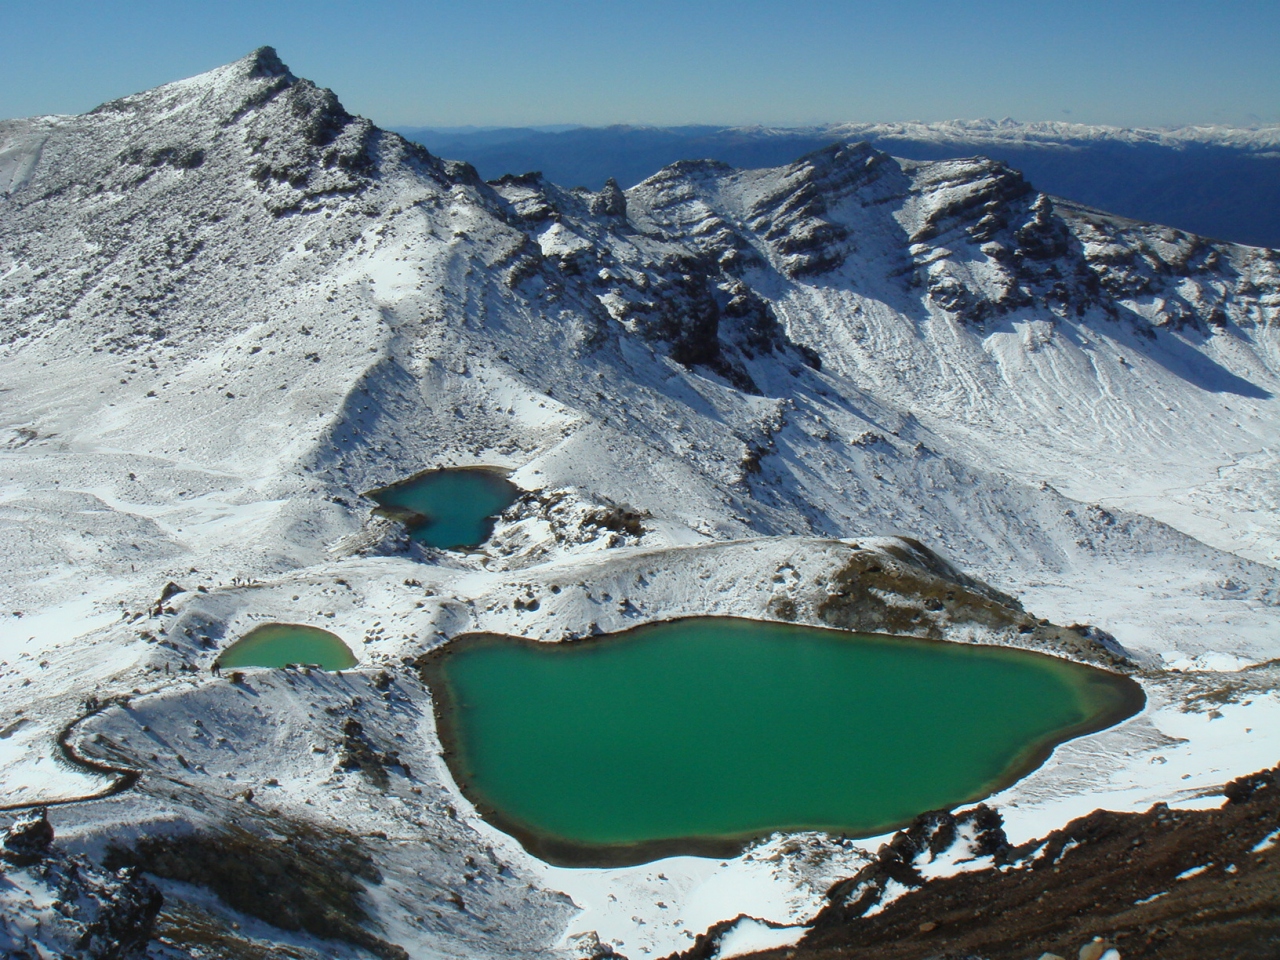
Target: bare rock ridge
[[1211, 180]]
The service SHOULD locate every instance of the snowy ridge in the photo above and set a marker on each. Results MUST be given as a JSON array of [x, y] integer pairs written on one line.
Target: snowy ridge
[[231, 307]]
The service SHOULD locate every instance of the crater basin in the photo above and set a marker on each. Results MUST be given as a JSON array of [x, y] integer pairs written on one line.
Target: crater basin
[[696, 736], [278, 644]]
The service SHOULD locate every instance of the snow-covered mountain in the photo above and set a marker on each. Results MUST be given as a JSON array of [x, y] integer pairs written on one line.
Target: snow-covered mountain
[[230, 307], [1218, 181]]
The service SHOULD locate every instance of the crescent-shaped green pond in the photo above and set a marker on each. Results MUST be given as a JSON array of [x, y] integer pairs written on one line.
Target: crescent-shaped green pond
[[695, 736], [280, 644]]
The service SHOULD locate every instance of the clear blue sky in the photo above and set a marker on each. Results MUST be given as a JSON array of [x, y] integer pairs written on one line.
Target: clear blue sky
[[498, 62]]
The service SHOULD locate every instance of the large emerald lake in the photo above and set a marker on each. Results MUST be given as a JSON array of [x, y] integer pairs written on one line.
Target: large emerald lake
[[450, 509], [694, 736]]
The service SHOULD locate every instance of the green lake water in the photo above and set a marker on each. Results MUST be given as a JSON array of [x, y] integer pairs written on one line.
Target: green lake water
[[449, 509], [696, 735], [277, 644]]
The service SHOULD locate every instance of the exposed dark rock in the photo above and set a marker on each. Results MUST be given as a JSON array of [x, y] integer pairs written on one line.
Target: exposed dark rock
[[619, 518], [304, 145], [1044, 236], [610, 201], [265, 62], [124, 924], [929, 836], [358, 753], [178, 157], [1102, 638], [981, 186], [931, 597], [1104, 878], [29, 839], [793, 221], [535, 202], [167, 593], [707, 945], [688, 317], [76, 908]]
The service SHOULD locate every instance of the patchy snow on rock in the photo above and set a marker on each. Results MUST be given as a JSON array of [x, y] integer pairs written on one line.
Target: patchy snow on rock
[[659, 908], [749, 935], [1267, 842], [1212, 801], [1193, 872]]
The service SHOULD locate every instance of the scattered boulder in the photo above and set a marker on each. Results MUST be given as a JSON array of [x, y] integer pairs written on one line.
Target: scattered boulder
[[1097, 949], [170, 590]]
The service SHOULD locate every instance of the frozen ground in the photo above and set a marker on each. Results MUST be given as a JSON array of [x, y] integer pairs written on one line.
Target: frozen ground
[[230, 308]]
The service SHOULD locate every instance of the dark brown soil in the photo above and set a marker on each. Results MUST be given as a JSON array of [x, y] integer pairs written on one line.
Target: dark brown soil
[[1070, 894]]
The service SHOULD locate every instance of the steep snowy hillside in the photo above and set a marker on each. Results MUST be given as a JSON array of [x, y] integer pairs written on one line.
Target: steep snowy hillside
[[230, 308]]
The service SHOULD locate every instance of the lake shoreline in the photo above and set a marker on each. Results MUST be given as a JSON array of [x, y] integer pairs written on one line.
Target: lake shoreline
[[561, 851]]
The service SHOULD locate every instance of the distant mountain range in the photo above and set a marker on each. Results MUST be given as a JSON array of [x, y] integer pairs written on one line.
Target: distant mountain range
[[1219, 182]]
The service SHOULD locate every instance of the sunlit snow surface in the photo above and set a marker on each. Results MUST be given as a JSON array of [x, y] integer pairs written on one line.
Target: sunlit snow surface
[[201, 370]]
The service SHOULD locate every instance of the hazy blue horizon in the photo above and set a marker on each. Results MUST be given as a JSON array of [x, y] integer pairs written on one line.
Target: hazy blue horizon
[[499, 63]]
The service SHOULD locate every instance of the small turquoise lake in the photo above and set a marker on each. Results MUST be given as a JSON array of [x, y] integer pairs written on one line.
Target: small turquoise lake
[[451, 509], [695, 736], [280, 644]]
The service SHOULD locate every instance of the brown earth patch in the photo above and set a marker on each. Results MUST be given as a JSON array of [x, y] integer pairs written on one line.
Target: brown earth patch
[[908, 590]]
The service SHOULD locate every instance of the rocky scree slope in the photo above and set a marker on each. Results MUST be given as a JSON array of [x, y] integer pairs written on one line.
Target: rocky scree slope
[[1165, 883], [230, 307]]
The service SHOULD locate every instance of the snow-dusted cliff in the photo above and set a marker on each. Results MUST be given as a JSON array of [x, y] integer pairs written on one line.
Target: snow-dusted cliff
[[229, 307]]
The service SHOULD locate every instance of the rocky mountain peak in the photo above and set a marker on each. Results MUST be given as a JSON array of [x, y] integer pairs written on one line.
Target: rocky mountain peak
[[265, 62]]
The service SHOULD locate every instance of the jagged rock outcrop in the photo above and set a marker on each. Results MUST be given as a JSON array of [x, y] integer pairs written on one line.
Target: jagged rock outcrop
[[610, 201], [936, 841], [29, 839], [55, 904]]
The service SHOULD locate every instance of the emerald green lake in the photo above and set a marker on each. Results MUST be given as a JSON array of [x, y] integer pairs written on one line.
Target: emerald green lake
[[278, 644], [695, 736], [449, 509]]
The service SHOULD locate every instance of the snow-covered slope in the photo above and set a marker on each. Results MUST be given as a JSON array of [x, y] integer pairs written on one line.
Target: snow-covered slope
[[229, 307]]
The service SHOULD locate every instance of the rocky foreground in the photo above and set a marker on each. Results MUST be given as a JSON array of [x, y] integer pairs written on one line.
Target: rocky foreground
[[1168, 884]]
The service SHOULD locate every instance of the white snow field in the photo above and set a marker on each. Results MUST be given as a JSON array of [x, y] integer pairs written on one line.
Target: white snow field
[[227, 308]]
